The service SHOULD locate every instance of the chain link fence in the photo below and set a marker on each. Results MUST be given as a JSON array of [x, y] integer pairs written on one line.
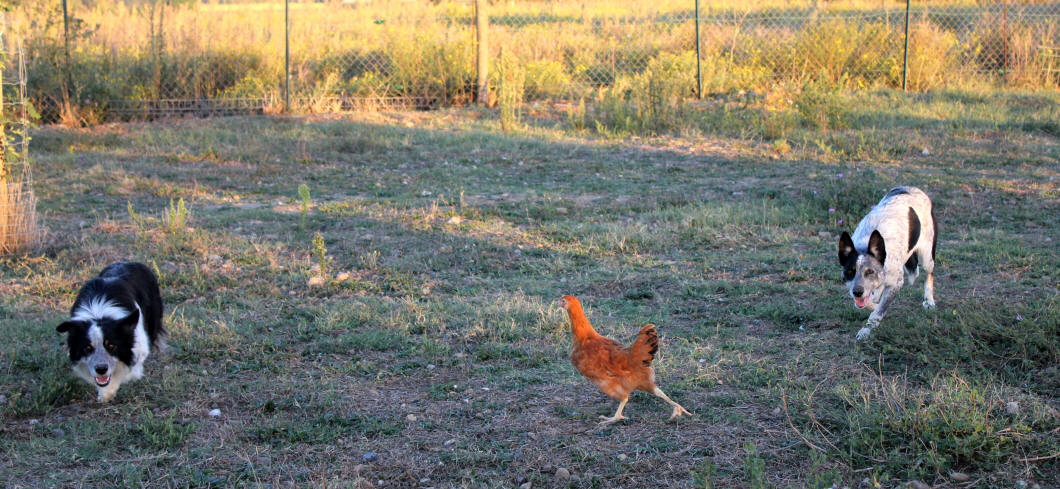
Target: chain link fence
[[105, 59]]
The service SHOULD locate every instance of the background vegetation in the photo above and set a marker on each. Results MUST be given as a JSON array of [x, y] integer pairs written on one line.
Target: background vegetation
[[130, 58]]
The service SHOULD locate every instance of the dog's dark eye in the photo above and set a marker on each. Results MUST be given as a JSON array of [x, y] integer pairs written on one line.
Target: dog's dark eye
[[848, 274], [108, 345], [89, 349], [868, 272]]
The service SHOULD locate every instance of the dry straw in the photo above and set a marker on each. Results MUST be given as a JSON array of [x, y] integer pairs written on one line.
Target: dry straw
[[18, 217]]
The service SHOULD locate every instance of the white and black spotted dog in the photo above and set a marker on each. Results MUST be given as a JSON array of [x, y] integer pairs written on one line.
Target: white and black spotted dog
[[898, 234], [115, 321]]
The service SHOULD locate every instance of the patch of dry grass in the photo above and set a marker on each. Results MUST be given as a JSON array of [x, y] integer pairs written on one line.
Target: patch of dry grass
[[19, 227]]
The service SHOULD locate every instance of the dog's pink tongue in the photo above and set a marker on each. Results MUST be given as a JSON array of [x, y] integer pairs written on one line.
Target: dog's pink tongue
[[860, 301], [102, 379]]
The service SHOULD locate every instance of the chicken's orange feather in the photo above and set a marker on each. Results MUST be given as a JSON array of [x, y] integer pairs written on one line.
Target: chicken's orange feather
[[616, 370]]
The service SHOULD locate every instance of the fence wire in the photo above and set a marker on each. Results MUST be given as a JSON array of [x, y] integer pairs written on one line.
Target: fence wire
[[145, 59]]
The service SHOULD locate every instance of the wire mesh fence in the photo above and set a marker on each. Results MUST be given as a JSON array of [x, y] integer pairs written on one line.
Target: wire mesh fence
[[160, 57], [18, 203]]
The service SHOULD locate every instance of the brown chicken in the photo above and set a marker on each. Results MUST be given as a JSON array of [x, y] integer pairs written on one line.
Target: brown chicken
[[617, 371]]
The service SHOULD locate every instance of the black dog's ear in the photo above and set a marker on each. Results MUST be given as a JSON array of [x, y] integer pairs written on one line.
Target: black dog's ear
[[846, 248], [129, 322], [876, 247], [68, 326]]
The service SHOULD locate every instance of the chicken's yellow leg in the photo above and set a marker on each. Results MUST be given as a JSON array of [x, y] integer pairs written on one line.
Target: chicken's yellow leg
[[618, 414], [678, 410]]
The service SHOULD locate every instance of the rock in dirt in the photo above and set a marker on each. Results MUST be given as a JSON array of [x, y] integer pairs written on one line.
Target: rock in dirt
[[562, 474], [960, 476], [1012, 408]]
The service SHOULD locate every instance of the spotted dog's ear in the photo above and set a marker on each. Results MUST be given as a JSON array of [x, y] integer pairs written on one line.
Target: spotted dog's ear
[[876, 247], [846, 248]]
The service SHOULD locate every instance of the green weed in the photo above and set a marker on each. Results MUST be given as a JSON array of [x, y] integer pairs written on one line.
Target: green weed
[[175, 217], [754, 467], [303, 196], [320, 254], [161, 433]]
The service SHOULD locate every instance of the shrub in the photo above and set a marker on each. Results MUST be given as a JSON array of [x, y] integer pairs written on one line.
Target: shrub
[[652, 102], [842, 53], [822, 107], [932, 57], [546, 78], [1021, 54]]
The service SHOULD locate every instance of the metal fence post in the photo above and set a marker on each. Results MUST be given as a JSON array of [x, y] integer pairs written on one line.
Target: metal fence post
[[482, 52], [699, 69], [66, 48], [287, 56], [1005, 41], [905, 56]]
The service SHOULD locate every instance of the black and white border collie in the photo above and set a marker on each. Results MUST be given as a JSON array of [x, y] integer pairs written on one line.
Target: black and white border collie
[[898, 233], [115, 321]]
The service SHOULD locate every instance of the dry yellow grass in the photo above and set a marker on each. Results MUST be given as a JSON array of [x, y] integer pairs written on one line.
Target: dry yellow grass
[[18, 216], [569, 50]]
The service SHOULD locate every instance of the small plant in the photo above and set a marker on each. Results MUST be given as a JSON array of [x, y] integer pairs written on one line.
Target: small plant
[[754, 467], [576, 116], [303, 195], [370, 260], [138, 220], [321, 255], [821, 477], [162, 433], [704, 472], [175, 216], [781, 146]]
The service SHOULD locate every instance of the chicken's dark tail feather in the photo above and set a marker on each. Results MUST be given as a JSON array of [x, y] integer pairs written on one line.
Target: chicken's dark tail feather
[[646, 344]]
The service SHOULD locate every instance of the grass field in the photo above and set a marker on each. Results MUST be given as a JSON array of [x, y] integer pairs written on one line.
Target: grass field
[[429, 350]]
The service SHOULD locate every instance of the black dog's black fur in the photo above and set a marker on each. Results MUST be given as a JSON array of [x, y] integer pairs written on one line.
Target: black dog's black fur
[[126, 284]]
